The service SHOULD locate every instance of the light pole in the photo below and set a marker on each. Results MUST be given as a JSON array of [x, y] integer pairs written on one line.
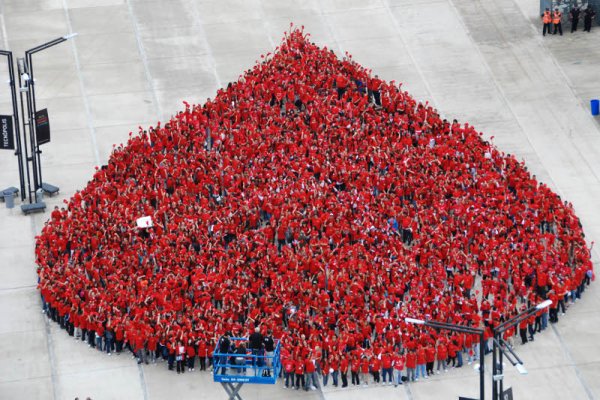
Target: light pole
[[502, 348], [18, 152], [462, 329], [27, 86]]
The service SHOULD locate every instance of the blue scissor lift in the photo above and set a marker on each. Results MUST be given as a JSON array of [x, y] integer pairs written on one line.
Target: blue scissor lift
[[232, 370]]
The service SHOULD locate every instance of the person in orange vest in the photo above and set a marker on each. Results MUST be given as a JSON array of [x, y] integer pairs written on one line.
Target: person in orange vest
[[556, 20], [547, 20]]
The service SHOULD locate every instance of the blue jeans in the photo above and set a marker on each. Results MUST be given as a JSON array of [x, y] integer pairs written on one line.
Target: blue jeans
[[460, 359], [99, 343], [421, 368], [544, 320], [398, 374], [334, 375], [108, 344]]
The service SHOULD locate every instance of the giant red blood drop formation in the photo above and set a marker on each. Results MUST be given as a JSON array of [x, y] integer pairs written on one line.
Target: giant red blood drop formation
[[292, 201]]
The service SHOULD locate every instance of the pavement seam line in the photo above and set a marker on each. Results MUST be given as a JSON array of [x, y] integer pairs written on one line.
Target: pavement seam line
[[144, 57], [411, 56], [209, 51], [86, 103], [325, 19], [3, 23], [567, 353], [49, 341], [266, 24], [143, 381]]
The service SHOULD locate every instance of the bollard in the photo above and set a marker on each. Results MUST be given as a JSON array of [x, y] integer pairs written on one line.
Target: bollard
[[9, 199], [39, 195], [595, 106]]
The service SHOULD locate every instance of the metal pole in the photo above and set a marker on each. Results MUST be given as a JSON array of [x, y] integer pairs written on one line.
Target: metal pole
[[31, 123], [469, 331], [494, 372], [481, 367], [500, 371], [21, 87], [37, 151], [19, 152]]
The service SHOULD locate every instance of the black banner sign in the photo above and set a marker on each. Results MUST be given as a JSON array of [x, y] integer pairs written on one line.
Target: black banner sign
[[507, 394], [42, 127], [7, 139]]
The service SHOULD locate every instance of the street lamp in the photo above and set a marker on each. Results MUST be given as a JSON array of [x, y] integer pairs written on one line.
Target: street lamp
[[18, 152], [462, 329], [502, 348], [27, 86]]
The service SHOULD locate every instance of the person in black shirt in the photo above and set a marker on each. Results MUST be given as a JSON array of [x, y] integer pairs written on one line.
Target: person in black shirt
[[224, 346], [269, 344], [255, 342], [588, 17], [574, 17]]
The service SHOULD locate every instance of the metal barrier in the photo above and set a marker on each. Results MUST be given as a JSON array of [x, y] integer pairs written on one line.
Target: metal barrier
[[234, 369]]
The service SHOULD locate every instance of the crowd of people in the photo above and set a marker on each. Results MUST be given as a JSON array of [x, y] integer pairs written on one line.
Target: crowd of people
[[312, 200]]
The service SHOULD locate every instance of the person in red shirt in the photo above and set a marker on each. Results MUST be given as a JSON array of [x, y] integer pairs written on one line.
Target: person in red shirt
[[442, 356], [180, 357], [354, 370], [152, 345], [341, 83], [375, 369], [523, 331], [190, 352], [411, 365], [334, 365], [202, 354], [299, 372], [364, 370], [344, 370], [429, 354], [374, 87], [288, 371], [386, 366], [398, 361], [310, 374]]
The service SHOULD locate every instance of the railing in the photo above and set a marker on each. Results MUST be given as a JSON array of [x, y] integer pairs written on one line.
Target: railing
[[253, 366]]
